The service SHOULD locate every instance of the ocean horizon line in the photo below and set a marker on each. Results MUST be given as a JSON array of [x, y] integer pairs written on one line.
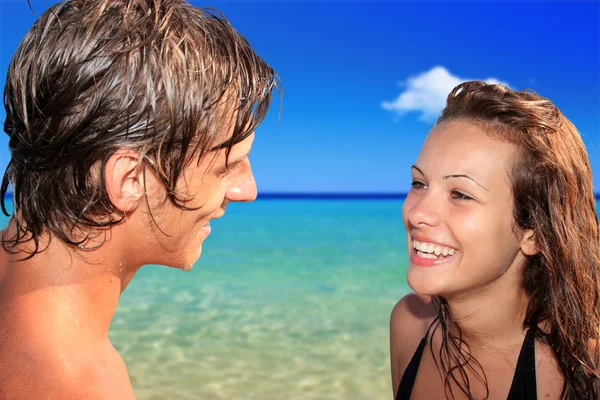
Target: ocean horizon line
[[330, 196], [341, 196]]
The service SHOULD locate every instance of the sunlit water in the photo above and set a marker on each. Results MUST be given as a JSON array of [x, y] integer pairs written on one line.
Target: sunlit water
[[290, 300]]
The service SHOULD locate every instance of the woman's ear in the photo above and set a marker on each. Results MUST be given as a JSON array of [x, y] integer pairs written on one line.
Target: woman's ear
[[529, 245], [123, 178]]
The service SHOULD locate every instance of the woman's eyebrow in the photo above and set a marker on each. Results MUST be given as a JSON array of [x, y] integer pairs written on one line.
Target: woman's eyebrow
[[464, 176], [453, 176], [418, 169]]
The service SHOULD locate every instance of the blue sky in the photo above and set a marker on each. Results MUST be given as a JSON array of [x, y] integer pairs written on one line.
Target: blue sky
[[352, 70]]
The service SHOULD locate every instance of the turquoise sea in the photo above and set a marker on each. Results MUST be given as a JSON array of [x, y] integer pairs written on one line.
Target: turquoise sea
[[290, 300]]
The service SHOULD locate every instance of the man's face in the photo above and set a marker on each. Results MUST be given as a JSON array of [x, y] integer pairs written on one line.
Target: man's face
[[174, 236]]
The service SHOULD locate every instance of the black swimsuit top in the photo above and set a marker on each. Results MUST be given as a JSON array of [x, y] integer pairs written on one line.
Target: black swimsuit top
[[523, 385]]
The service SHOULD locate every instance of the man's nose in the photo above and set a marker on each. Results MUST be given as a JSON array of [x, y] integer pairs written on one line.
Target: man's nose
[[244, 187]]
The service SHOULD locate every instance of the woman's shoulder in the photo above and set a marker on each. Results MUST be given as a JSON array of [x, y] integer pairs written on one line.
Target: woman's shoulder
[[410, 319], [413, 314]]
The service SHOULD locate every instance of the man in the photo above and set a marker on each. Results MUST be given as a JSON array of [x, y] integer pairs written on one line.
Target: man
[[130, 124]]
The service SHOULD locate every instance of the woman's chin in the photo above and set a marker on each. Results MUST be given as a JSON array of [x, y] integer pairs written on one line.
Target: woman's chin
[[425, 284]]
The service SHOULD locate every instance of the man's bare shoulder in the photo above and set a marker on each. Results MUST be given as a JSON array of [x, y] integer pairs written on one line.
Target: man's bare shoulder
[[56, 376]]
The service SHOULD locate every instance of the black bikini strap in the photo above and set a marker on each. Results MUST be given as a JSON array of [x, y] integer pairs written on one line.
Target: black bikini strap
[[410, 374], [524, 385]]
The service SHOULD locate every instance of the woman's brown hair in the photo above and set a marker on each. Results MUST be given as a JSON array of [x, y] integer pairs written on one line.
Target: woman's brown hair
[[553, 196]]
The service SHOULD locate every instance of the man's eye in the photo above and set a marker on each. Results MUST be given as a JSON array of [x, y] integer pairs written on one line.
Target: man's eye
[[232, 168]]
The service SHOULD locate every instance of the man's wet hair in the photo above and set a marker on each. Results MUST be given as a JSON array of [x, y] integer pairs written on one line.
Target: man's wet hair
[[162, 78]]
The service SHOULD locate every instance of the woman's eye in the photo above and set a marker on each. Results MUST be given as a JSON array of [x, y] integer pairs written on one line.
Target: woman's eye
[[417, 185], [460, 196]]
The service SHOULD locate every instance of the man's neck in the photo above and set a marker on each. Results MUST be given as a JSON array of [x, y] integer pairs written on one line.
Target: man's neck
[[78, 290]]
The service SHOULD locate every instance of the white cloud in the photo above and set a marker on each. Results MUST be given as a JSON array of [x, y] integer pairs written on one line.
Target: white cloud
[[427, 92]]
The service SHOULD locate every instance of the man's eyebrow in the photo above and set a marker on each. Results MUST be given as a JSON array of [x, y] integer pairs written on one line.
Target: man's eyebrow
[[231, 141], [464, 176]]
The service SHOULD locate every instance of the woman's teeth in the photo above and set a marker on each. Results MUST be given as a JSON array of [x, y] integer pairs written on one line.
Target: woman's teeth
[[430, 250]]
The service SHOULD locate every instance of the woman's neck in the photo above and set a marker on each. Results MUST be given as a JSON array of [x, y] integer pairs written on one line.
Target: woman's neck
[[492, 316]]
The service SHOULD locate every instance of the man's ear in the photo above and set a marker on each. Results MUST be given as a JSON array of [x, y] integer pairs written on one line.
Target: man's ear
[[123, 177], [529, 245]]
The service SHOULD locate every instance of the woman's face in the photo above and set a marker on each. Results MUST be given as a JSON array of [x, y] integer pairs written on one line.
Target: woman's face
[[458, 213]]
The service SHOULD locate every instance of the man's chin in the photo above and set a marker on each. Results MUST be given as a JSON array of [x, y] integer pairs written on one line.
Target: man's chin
[[183, 260], [187, 266], [189, 263]]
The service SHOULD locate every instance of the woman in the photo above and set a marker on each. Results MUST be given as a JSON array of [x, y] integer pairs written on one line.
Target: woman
[[504, 256]]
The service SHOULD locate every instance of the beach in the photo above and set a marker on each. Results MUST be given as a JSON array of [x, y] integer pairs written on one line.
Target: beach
[[290, 300]]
